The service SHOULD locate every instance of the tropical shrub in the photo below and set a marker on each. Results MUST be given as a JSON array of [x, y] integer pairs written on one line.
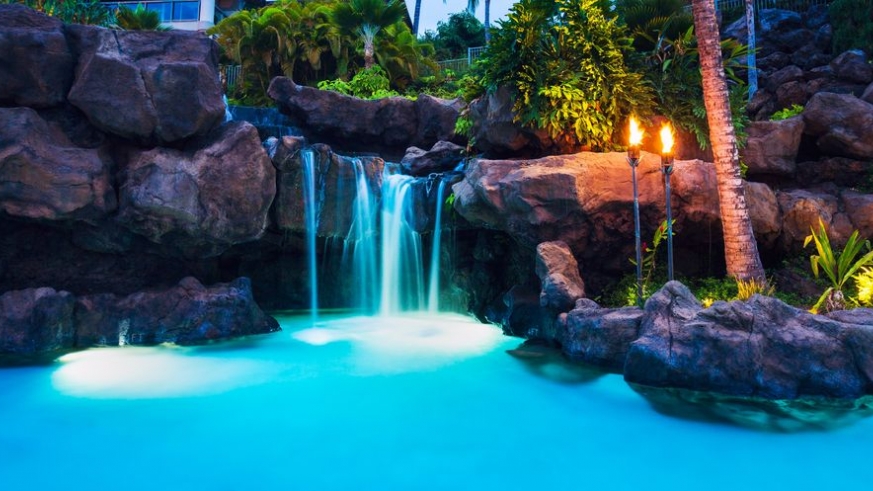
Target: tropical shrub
[[673, 70], [303, 41], [654, 22], [139, 19], [90, 12], [452, 37], [369, 83], [852, 21], [838, 267], [567, 66], [788, 112]]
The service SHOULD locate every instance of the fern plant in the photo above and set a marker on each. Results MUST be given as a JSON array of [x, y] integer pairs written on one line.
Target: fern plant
[[838, 267]]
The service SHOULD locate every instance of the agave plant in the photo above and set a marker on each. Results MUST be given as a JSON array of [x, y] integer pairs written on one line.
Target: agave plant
[[838, 267]]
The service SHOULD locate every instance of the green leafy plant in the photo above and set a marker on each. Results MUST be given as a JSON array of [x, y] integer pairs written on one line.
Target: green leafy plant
[[138, 19], [672, 68], [747, 288], [788, 112], [566, 63], [369, 83], [838, 267], [864, 282], [852, 21], [90, 12], [463, 125]]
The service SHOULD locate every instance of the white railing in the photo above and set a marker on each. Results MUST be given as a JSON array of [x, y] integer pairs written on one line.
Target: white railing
[[793, 5]]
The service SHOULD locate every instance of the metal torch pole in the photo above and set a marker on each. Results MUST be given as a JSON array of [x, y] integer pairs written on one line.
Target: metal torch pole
[[634, 160], [667, 169]]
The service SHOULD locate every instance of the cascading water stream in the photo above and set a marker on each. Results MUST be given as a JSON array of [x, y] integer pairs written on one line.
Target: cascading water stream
[[402, 286], [310, 212], [433, 297], [360, 244]]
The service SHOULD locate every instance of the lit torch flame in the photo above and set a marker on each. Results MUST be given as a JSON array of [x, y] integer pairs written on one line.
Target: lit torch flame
[[636, 134], [667, 139]]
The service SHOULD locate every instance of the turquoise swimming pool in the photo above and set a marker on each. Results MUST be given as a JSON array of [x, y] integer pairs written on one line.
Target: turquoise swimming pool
[[372, 403]]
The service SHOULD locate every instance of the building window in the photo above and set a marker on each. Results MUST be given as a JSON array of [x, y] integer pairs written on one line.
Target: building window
[[168, 11]]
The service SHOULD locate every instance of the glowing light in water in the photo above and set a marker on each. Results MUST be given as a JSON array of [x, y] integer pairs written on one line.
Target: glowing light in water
[[433, 297], [142, 373], [310, 212], [402, 276]]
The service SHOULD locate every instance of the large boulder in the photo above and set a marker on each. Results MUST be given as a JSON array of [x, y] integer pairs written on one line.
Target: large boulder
[[559, 275], [859, 208], [842, 124], [760, 348], [188, 313], [44, 177], [390, 125], [152, 87], [35, 320], [558, 197], [599, 337], [802, 210], [586, 201], [203, 199], [443, 156], [36, 64], [771, 148], [852, 66]]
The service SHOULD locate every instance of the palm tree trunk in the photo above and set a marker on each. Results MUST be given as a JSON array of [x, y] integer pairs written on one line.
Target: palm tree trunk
[[368, 53], [740, 248], [415, 17], [487, 21]]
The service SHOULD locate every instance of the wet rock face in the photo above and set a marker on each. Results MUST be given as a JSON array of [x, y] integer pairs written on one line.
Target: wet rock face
[[36, 64], [44, 177], [336, 179], [152, 87], [201, 200], [188, 313], [36, 320]]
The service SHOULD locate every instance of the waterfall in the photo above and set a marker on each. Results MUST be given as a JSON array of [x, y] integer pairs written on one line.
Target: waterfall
[[228, 116], [360, 244], [310, 212], [433, 297], [402, 275]]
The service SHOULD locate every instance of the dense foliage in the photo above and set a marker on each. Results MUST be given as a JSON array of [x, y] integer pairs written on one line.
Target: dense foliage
[[90, 12], [369, 83], [852, 21], [567, 64], [452, 37], [307, 42]]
